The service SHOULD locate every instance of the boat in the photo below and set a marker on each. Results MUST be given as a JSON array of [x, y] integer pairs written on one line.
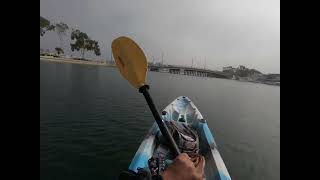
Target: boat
[[182, 111]]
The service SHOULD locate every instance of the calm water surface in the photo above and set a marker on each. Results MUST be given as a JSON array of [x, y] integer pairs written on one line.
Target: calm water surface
[[92, 121]]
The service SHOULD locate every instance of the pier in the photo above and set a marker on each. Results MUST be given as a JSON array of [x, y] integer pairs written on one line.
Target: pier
[[189, 71]]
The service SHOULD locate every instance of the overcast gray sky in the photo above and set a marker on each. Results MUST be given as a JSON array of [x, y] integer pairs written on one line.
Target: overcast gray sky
[[212, 32]]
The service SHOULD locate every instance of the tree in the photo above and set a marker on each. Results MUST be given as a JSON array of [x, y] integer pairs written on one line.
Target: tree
[[45, 26], [83, 43], [59, 50], [93, 46], [60, 29]]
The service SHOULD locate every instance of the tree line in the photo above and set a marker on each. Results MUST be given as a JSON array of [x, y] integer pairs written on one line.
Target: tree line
[[81, 41]]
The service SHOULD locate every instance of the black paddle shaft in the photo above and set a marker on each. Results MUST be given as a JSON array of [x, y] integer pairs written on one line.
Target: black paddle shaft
[[162, 126]]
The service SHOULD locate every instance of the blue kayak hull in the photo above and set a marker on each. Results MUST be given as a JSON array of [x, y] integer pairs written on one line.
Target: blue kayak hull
[[183, 107]]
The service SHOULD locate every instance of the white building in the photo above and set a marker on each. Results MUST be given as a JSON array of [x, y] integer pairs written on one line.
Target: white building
[[242, 67], [228, 68]]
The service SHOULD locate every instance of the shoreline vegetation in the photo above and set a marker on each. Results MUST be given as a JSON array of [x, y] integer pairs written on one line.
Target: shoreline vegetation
[[80, 41]]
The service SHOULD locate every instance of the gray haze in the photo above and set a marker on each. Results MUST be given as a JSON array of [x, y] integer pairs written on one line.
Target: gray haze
[[212, 32]]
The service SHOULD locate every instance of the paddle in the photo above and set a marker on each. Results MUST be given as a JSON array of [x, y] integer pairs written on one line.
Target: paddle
[[132, 64]]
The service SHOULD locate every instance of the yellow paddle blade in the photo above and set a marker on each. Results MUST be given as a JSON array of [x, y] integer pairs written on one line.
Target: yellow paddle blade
[[130, 60]]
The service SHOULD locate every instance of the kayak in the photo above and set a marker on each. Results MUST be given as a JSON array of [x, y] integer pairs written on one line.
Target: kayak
[[180, 111]]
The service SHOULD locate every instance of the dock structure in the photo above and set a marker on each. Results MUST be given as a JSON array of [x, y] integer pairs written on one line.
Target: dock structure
[[190, 71]]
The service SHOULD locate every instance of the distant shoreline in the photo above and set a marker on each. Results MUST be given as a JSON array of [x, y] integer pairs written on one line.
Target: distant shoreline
[[73, 61], [97, 63]]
